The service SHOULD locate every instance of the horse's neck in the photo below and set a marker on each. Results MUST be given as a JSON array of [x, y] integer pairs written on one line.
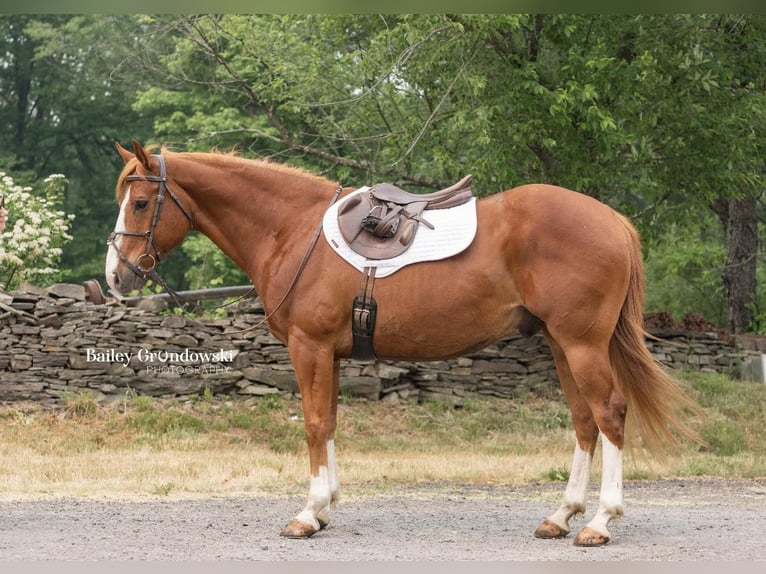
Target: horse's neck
[[259, 216]]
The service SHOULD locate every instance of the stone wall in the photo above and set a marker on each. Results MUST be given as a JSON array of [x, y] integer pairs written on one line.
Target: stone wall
[[55, 342]]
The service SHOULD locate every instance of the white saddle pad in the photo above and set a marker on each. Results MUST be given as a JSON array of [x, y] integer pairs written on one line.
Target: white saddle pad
[[454, 230]]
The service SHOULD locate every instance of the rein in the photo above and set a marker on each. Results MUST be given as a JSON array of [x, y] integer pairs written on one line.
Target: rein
[[146, 263], [301, 266]]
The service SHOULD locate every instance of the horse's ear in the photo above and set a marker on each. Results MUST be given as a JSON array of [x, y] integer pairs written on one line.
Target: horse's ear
[[142, 155], [124, 154]]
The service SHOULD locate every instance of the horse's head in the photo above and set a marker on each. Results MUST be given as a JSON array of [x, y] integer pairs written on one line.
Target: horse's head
[[146, 227]]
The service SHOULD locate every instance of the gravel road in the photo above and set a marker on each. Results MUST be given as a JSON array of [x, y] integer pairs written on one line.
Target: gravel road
[[665, 520]]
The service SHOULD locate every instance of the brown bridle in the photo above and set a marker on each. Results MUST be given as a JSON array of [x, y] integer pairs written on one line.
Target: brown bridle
[[145, 264]]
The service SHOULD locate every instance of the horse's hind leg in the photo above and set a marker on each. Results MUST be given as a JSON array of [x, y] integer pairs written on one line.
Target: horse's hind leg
[[596, 383], [597, 405], [586, 431]]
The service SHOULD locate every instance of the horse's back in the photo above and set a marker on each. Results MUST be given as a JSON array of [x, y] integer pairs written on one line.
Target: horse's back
[[553, 222], [544, 204]]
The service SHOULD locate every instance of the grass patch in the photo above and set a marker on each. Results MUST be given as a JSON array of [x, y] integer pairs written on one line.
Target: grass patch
[[151, 419], [211, 445], [559, 474], [79, 404], [736, 413], [163, 489], [724, 438]]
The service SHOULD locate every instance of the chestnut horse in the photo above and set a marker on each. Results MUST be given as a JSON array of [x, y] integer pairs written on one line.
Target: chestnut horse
[[544, 258]]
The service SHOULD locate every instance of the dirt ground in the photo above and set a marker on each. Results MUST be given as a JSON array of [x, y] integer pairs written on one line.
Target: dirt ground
[[667, 520]]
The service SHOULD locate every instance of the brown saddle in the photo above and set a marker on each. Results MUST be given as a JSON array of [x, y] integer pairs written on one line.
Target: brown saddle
[[382, 223]]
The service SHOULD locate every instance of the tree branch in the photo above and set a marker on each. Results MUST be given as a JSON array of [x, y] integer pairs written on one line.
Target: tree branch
[[198, 36], [661, 199]]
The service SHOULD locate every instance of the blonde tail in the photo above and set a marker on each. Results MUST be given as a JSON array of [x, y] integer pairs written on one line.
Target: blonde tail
[[658, 407]]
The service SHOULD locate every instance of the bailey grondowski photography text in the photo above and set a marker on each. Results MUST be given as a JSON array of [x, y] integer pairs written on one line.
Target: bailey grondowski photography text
[[182, 362]]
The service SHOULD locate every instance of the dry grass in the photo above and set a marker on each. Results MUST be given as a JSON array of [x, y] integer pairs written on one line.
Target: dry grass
[[144, 447]]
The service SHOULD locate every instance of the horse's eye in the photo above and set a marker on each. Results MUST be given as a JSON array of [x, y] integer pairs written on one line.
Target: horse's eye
[[140, 204]]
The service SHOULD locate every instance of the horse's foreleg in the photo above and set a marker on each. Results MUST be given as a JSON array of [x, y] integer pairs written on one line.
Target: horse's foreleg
[[332, 465], [317, 376]]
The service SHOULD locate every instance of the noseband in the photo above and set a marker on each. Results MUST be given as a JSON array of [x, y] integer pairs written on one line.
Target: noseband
[[145, 263]]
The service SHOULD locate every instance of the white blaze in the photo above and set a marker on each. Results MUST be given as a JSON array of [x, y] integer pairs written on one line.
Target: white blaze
[[112, 258]]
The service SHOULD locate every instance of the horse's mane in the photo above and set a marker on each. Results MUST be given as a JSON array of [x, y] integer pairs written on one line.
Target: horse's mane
[[227, 158], [215, 157]]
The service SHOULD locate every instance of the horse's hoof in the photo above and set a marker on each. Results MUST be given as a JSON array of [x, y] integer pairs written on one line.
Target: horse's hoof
[[589, 537], [298, 529], [549, 530], [323, 522]]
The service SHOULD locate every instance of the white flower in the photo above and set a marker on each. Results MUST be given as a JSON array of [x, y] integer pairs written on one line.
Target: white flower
[[30, 247]]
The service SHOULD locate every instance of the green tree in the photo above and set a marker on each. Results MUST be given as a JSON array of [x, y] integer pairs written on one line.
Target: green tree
[[64, 102], [707, 133]]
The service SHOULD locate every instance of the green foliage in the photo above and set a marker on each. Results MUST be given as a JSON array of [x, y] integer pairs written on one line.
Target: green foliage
[[683, 272], [480, 418], [163, 489], [150, 418], [67, 97], [626, 108], [724, 438], [735, 411], [208, 266], [270, 421], [558, 474]]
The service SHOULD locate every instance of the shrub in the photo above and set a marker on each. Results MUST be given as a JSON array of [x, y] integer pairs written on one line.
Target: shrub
[[37, 229]]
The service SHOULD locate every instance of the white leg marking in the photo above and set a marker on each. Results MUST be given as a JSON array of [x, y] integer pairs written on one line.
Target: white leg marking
[[610, 503], [333, 468], [332, 474], [576, 491], [319, 497], [323, 491], [112, 259]]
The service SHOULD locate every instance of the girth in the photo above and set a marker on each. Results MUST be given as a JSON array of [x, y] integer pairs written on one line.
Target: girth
[[363, 317]]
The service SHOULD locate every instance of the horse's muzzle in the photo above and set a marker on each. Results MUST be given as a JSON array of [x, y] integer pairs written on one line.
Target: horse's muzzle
[[123, 280]]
